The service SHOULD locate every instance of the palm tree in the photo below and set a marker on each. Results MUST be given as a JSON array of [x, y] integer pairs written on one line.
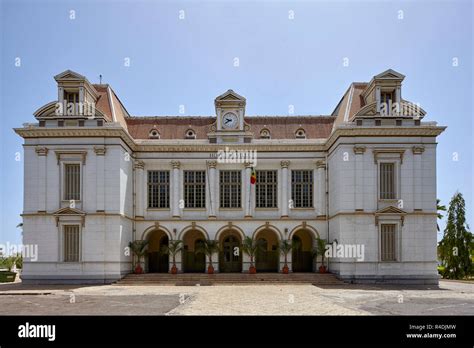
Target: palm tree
[[139, 249], [285, 247], [439, 208], [209, 247], [321, 250], [250, 247], [20, 225], [173, 248]]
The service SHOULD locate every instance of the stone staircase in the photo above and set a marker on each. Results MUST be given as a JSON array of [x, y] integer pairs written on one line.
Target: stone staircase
[[192, 279]]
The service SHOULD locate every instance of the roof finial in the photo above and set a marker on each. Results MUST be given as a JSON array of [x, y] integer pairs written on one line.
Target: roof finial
[[100, 79]]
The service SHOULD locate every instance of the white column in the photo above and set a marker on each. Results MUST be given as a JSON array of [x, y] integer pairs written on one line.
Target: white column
[[377, 97], [60, 95], [100, 178], [284, 188], [359, 178], [212, 188], [139, 189], [42, 153], [321, 168], [398, 96], [81, 95], [248, 190], [176, 188], [316, 189], [79, 106], [417, 177]]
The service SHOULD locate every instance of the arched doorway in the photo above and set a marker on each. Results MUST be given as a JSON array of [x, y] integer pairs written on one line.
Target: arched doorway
[[193, 261], [157, 259], [301, 256], [267, 258], [230, 256]]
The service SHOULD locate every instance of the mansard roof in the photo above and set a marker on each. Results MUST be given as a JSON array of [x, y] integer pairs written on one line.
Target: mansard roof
[[280, 127], [358, 101]]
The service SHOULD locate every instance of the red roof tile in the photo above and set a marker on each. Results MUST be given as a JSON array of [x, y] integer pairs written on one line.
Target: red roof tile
[[280, 127]]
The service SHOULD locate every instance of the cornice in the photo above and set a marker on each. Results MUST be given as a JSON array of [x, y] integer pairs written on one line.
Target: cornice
[[344, 131], [421, 131]]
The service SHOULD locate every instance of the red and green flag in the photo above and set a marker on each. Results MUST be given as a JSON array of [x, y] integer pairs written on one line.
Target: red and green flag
[[253, 177]]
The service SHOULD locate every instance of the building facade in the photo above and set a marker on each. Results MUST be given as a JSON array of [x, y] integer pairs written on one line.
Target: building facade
[[362, 178]]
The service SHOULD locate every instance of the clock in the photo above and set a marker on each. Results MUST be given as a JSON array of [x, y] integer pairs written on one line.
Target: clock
[[230, 121]]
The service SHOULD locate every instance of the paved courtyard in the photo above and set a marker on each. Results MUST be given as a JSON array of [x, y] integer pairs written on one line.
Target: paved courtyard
[[449, 298]]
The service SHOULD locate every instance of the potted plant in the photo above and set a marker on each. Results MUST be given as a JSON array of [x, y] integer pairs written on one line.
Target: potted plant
[[209, 247], [173, 248], [250, 247], [139, 249], [285, 247], [321, 250], [8, 263]]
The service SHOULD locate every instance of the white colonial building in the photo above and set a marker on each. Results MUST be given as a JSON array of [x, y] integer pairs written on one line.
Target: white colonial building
[[97, 178]]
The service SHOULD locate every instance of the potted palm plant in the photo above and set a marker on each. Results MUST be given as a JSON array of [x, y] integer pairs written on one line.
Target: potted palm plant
[[139, 249], [8, 263], [321, 250], [173, 248], [285, 247], [209, 247], [250, 247]]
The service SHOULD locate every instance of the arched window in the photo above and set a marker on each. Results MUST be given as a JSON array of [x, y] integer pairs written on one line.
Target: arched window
[[265, 133], [154, 134], [300, 134], [190, 134]]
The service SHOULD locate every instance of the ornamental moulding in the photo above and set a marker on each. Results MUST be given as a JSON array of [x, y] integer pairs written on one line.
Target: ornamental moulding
[[138, 146]]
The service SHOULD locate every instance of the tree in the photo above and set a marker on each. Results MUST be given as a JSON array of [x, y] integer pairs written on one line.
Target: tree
[[321, 250], [139, 249], [173, 248], [250, 247], [209, 247], [439, 208], [285, 247], [454, 250]]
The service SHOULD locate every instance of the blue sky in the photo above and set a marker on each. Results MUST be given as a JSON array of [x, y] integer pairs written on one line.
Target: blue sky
[[282, 61]]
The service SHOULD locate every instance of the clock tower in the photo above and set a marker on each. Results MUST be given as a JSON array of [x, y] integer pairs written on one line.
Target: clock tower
[[230, 126]]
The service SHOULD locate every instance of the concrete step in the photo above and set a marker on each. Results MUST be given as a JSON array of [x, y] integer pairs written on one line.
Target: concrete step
[[192, 279]]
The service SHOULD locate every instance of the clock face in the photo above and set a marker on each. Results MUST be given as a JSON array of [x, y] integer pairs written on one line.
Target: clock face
[[230, 121]]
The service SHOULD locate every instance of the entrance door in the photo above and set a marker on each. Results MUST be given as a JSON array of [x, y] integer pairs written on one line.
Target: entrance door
[[157, 259], [302, 261], [266, 260], [193, 261], [228, 260]]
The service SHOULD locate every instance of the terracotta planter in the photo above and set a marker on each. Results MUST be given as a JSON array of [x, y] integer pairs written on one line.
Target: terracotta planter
[[138, 269], [322, 269], [174, 269], [210, 269], [285, 269], [252, 270]]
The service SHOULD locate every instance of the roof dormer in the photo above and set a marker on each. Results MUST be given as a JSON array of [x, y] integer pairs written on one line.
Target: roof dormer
[[385, 90], [230, 125], [76, 95]]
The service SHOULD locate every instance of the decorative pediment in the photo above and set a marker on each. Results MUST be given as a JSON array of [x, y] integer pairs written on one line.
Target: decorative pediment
[[69, 212], [389, 75], [368, 110], [390, 210], [78, 154], [230, 95], [49, 111], [388, 152], [404, 109], [69, 75]]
